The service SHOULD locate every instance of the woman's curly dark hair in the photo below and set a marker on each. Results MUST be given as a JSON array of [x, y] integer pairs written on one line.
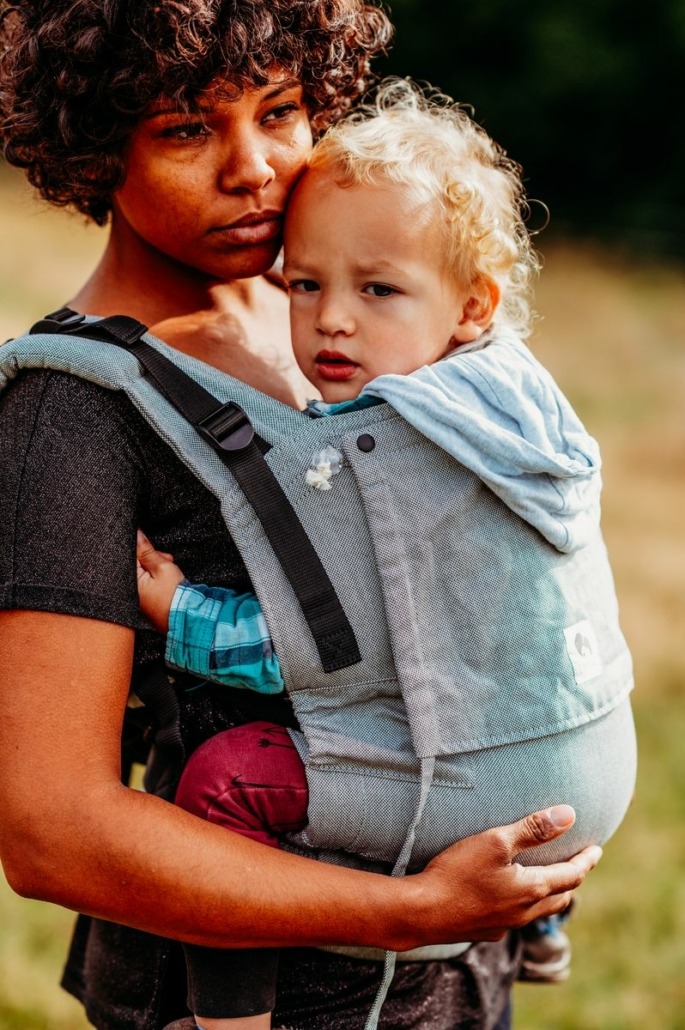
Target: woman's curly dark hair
[[77, 75]]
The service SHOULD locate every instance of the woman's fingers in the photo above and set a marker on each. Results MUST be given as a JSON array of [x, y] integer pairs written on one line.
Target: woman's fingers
[[556, 883], [541, 827], [478, 891], [563, 877]]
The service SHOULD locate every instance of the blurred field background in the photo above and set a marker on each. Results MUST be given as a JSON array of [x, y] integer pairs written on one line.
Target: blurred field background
[[584, 96]]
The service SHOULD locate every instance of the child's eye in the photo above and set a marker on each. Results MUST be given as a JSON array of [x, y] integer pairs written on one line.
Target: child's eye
[[379, 289], [303, 286]]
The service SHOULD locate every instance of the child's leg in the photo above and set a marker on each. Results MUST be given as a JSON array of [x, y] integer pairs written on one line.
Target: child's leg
[[546, 950], [251, 780]]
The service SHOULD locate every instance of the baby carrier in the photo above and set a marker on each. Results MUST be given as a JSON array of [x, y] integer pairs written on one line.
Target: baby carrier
[[432, 642]]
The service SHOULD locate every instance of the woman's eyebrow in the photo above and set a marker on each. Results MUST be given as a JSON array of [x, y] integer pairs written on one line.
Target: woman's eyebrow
[[282, 87], [279, 88], [173, 110]]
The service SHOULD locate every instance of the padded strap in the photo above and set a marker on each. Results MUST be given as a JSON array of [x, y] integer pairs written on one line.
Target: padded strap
[[227, 428]]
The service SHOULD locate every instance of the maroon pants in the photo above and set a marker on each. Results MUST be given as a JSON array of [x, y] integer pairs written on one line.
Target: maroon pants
[[249, 779]]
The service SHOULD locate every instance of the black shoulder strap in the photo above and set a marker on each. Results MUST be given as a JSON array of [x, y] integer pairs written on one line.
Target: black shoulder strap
[[229, 431]]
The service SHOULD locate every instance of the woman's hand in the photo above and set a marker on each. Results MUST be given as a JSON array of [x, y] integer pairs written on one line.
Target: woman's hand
[[475, 891], [255, 350]]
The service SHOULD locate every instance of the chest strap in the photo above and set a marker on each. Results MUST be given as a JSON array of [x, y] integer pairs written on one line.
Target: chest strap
[[227, 428]]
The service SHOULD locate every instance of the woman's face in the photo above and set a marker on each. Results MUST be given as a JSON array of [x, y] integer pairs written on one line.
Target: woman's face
[[208, 189]]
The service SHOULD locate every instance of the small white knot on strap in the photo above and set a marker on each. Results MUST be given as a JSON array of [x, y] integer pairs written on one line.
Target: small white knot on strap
[[319, 477], [326, 463]]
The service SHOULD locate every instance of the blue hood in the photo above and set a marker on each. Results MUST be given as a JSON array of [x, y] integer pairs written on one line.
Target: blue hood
[[499, 412]]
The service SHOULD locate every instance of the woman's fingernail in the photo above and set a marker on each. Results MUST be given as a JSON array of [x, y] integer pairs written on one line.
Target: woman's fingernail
[[561, 815]]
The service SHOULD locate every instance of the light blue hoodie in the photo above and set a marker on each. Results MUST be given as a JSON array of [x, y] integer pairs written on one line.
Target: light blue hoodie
[[499, 412]]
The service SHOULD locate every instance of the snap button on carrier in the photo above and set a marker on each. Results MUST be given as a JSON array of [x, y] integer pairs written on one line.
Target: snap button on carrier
[[366, 442]]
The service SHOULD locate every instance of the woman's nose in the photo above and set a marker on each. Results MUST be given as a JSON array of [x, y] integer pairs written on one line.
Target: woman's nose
[[246, 166]]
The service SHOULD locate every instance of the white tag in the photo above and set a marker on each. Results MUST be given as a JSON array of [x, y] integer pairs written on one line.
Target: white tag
[[583, 650]]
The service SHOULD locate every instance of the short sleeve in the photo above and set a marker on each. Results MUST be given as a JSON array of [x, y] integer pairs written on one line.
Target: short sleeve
[[72, 484]]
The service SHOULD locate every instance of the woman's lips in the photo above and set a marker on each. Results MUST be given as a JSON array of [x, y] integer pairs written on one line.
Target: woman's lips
[[335, 366], [250, 230]]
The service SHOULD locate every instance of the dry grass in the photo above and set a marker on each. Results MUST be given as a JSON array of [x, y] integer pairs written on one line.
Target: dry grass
[[612, 332]]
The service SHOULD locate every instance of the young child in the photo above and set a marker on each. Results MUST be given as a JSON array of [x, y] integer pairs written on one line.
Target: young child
[[408, 265]]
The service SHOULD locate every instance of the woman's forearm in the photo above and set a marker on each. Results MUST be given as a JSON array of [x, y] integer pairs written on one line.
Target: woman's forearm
[[70, 833], [155, 867], [150, 865]]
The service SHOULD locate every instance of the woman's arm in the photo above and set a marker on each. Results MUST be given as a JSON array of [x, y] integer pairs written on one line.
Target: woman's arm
[[70, 833]]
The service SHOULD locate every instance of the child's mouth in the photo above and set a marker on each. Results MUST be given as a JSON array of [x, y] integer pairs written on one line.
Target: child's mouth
[[333, 365]]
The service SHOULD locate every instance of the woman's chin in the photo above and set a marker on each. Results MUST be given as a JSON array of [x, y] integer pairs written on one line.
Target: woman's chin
[[245, 263]]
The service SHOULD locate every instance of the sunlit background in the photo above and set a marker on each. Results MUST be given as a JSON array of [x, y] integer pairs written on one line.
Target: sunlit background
[[586, 96]]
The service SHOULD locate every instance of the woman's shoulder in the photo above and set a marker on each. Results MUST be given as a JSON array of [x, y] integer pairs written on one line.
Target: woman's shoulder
[[54, 418], [67, 401]]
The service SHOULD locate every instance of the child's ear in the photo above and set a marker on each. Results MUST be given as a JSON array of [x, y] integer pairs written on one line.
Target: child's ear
[[478, 311]]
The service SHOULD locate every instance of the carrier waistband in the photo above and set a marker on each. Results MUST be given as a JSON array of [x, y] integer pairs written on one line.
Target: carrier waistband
[[429, 953]]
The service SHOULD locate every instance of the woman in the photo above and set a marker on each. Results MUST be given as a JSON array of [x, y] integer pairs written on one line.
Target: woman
[[186, 124]]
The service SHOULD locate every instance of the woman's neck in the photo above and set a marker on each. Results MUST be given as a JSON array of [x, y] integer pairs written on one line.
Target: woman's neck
[[134, 279], [241, 327]]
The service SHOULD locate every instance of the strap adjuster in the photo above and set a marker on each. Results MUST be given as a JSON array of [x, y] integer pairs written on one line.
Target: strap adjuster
[[227, 428], [67, 319], [125, 331], [64, 320]]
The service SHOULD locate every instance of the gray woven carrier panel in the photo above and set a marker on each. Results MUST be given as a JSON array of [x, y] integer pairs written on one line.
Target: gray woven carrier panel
[[482, 645]]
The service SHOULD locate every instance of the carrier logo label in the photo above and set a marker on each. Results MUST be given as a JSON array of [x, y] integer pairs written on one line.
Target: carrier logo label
[[583, 650]]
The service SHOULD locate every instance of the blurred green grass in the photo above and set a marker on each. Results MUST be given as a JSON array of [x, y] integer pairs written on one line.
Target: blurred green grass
[[613, 332]]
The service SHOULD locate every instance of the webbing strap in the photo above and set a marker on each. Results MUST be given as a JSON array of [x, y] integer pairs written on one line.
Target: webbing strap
[[167, 757], [229, 431]]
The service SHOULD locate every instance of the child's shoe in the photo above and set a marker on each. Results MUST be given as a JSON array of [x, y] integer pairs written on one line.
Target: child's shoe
[[546, 951]]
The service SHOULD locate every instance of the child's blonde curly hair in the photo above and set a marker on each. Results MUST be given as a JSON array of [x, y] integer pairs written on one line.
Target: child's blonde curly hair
[[422, 139]]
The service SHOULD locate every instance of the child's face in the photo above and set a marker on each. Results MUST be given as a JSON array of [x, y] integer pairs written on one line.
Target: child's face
[[369, 293]]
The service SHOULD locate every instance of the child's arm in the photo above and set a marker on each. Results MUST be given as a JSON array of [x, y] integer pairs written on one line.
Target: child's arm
[[212, 632]]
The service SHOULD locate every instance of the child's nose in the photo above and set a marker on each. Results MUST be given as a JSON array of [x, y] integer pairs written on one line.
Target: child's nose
[[334, 317]]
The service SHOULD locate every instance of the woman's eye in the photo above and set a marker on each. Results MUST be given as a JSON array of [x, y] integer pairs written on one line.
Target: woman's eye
[[282, 112], [379, 290], [303, 286], [185, 132]]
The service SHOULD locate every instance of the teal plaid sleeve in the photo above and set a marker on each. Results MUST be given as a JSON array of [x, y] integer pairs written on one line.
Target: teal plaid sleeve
[[222, 636]]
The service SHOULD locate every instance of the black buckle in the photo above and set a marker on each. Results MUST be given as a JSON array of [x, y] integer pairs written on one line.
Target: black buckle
[[58, 321], [123, 330], [227, 429], [66, 316]]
